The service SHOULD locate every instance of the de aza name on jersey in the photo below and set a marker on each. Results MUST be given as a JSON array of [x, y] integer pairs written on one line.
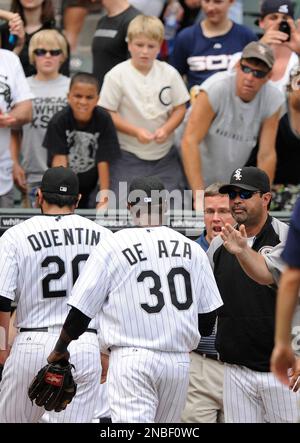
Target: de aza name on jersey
[[63, 237], [172, 248]]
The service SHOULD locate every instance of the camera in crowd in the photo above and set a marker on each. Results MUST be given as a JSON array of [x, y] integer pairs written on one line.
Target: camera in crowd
[[285, 27]]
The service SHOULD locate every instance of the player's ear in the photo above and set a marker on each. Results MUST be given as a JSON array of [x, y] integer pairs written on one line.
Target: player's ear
[[78, 200], [39, 198]]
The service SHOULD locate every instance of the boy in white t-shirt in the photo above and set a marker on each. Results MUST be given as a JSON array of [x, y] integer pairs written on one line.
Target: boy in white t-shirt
[[147, 101]]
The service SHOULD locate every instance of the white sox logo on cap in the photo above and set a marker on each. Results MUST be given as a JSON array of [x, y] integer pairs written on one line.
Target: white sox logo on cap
[[284, 9], [238, 174], [262, 49]]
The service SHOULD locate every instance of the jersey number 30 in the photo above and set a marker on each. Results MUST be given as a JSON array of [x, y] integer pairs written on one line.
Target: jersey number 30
[[155, 290]]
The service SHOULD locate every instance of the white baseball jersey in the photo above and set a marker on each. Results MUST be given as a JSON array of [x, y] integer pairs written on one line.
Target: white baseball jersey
[[150, 283], [40, 260]]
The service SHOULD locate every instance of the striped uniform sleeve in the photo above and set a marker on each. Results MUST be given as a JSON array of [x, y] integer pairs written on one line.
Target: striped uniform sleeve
[[8, 266], [93, 283], [274, 262]]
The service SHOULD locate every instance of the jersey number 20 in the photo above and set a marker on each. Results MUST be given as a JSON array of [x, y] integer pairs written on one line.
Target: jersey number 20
[[60, 272]]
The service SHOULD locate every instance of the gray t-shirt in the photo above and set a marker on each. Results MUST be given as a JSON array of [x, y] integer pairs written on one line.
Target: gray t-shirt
[[234, 131], [50, 97]]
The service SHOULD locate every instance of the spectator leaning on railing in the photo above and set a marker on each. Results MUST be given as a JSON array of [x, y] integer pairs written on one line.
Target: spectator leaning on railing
[[233, 111]]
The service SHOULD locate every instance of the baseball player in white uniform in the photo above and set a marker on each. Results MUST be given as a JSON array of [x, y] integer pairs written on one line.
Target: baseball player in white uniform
[[149, 283], [40, 259]]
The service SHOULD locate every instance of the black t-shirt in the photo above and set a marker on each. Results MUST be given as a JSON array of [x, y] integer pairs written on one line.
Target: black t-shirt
[[288, 154], [109, 46], [85, 146], [24, 55]]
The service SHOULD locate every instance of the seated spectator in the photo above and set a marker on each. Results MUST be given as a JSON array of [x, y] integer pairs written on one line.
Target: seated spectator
[[206, 47], [109, 46], [232, 112], [82, 136], [15, 111], [147, 101], [29, 18], [47, 52]]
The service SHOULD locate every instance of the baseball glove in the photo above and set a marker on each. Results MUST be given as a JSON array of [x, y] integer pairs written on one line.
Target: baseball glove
[[53, 387]]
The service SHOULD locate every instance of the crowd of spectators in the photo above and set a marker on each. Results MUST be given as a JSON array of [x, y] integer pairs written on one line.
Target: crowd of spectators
[[229, 119], [179, 90]]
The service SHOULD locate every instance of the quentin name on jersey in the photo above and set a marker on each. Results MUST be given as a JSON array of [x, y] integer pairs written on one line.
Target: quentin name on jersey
[[63, 237], [172, 248]]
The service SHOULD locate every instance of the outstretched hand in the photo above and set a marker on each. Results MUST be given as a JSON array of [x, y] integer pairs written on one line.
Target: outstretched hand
[[235, 241], [282, 360]]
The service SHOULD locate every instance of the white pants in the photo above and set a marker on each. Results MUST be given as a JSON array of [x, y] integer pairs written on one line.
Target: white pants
[[147, 386], [102, 407], [257, 397], [28, 355]]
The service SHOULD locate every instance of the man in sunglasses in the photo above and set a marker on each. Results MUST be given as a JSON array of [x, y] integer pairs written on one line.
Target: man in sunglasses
[[245, 335], [232, 113]]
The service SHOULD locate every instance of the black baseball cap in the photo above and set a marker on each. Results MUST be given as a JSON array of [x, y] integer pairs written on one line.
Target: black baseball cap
[[144, 190], [273, 6], [60, 180], [249, 178]]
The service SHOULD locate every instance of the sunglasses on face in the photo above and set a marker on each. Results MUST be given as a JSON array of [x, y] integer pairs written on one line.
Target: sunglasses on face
[[255, 72], [40, 52], [243, 194]]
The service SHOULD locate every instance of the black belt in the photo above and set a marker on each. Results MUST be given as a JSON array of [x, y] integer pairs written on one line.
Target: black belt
[[94, 331], [211, 356]]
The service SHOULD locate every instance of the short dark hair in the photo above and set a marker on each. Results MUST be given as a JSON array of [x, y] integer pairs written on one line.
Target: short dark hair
[[85, 77], [60, 200]]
